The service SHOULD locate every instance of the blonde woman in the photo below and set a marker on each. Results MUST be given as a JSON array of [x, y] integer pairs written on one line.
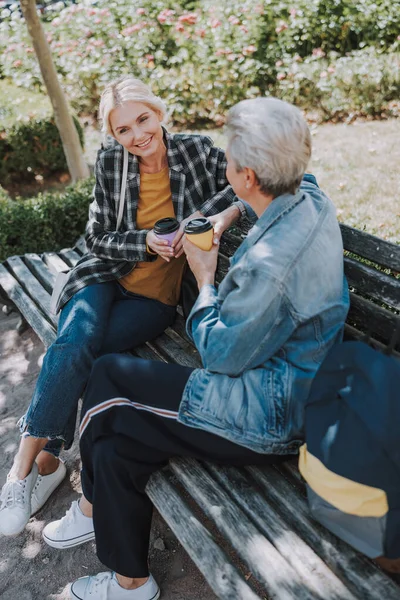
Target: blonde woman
[[125, 290]]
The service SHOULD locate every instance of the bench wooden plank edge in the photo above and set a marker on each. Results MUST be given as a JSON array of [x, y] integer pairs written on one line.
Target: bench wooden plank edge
[[223, 578], [262, 558], [296, 552], [27, 307]]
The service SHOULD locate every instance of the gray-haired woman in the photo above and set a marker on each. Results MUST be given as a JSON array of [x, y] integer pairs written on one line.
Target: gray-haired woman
[[125, 290], [261, 337]]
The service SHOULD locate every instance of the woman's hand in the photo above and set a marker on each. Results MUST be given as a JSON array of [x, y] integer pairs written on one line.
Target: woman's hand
[[159, 246], [178, 239], [223, 220], [202, 263]]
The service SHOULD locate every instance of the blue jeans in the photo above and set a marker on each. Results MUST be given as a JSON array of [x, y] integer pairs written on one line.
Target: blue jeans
[[99, 319]]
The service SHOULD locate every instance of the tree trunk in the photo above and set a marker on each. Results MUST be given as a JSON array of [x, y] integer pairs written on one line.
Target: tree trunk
[[65, 124]]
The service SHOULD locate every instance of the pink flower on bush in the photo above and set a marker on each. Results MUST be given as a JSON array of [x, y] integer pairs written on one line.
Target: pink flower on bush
[[131, 29], [29, 50], [331, 69], [323, 74], [215, 23], [91, 12], [234, 20], [190, 18], [281, 76], [140, 11], [165, 15], [279, 63], [231, 57], [249, 50], [318, 53], [105, 12], [200, 32], [297, 58], [293, 13], [17, 63], [179, 27], [149, 56], [243, 28], [281, 27], [98, 43]]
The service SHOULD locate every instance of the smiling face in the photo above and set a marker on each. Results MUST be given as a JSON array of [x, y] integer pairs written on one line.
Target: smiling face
[[137, 127]]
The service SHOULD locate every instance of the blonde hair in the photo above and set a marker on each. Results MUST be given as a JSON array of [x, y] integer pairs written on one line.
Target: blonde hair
[[123, 90], [270, 137]]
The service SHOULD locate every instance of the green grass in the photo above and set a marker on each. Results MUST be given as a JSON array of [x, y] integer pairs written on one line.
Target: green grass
[[17, 103]]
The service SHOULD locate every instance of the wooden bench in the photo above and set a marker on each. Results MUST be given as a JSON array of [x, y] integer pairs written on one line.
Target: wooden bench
[[249, 529]]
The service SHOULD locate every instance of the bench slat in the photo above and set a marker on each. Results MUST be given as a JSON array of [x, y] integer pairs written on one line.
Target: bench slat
[[263, 560], [168, 348], [55, 263], [69, 256], [80, 246], [362, 577], [377, 285], [197, 541], [40, 270], [370, 317], [297, 553], [30, 284], [27, 307], [371, 247]]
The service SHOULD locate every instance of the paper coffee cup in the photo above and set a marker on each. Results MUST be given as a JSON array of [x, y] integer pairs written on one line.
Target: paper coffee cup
[[166, 229], [200, 232]]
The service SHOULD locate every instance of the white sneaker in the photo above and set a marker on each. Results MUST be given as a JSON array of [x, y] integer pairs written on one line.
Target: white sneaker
[[105, 586], [72, 530], [45, 486], [15, 503]]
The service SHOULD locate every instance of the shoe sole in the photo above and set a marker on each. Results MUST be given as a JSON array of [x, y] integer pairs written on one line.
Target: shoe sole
[[49, 493], [65, 544], [75, 597]]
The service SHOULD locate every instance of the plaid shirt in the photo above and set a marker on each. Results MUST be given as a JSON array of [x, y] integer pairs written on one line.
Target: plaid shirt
[[197, 172]]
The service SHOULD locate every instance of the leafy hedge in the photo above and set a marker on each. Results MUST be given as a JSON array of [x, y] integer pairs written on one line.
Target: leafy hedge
[[49, 221], [32, 147], [202, 57]]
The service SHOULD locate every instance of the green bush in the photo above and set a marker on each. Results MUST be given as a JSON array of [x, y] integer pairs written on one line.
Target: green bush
[[49, 221], [32, 147]]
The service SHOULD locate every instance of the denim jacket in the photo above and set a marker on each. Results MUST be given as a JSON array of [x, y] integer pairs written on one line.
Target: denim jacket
[[264, 333]]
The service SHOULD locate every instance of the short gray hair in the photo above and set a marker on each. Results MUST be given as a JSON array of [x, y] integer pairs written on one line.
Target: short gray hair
[[123, 90], [272, 138]]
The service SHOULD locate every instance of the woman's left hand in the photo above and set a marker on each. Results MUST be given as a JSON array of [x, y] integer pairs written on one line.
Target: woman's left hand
[[202, 263]]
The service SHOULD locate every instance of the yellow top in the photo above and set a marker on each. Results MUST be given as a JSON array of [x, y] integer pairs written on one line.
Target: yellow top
[[344, 494], [159, 279]]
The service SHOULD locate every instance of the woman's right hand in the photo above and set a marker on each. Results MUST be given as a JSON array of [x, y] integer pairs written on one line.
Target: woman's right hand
[[159, 246]]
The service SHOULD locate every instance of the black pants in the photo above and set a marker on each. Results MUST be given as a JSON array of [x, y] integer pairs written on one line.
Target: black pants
[[128, 431]]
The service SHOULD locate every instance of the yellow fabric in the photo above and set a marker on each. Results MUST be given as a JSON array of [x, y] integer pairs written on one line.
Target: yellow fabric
[[158, 279], [344, 494]]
